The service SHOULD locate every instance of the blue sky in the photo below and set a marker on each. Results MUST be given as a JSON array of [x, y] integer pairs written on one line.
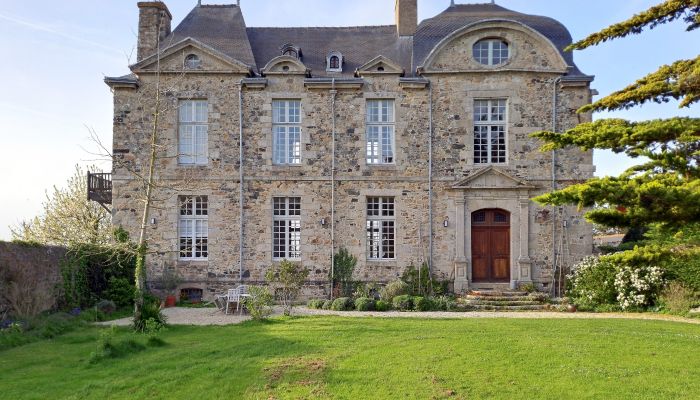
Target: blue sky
[[57, 53]]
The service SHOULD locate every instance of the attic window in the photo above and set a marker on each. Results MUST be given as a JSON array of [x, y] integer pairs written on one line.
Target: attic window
[[380, 69], [491, 51], [334, 62], [291, 50], [192, 61]]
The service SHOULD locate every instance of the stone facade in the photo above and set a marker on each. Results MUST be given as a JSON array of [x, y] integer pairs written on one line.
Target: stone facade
[[433, 112]]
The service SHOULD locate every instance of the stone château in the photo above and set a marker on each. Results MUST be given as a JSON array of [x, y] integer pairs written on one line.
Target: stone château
[[404, 144]]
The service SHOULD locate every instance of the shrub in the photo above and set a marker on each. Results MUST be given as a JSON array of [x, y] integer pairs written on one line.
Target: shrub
[[677, 299], [365, 304], [592, 283], [259, 302], [106, 306], [343, 267], [393, 289], [382, 305], [149, 311], [288, 278], [444, 303], [343, 304], [370, 290], [638, 287], [423, 304], [327, 304], [315, 303], [403, 302], [120, 291], [418, 280]]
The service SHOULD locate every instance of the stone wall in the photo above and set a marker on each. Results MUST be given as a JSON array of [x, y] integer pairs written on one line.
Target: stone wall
[[34, 269]]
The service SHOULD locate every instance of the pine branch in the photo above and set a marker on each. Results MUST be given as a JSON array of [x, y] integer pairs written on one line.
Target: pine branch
[[668, 11], [680, 80]]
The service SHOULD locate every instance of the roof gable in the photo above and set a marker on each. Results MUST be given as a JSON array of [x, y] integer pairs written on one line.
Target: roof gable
[[171, 59], [285, 65], [380, 65]]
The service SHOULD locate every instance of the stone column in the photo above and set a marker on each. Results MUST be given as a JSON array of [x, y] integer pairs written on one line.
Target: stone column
[[461, 271], [524, 262]]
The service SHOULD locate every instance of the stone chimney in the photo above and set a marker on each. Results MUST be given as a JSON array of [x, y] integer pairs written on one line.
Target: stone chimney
[[406, 13], [154, 26]]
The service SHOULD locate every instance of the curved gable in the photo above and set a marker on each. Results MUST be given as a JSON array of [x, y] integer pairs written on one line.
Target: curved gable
[[285, 65], [529, 49]]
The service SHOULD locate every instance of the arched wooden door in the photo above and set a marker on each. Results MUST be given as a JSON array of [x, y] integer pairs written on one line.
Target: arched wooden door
[[490, 246]]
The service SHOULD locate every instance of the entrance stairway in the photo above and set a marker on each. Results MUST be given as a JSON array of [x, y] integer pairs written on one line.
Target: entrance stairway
[[505, 300]]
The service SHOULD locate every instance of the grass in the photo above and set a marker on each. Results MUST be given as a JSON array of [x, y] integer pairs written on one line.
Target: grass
[[368, 358]]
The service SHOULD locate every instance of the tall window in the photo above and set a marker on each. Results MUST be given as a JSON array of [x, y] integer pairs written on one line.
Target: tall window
[[193, 132], [489, 131], [381, 228], [193, 227], [380, 131], [286, 131], [286, 228], [491, 51]]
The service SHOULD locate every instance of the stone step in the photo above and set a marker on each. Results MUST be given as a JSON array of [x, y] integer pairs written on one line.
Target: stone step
[[498, 298], [539, 307], [497, 293], [503, 303]]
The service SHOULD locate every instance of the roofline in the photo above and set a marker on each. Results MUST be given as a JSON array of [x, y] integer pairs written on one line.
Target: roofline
[[122, 81]]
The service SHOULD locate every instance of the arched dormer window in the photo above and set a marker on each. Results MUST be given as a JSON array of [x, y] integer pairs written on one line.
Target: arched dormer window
[[291, 50], [491, 51], [334, 62], [192, 61]]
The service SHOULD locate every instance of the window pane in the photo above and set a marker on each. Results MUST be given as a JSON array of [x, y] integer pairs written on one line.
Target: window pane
[[186, 111]]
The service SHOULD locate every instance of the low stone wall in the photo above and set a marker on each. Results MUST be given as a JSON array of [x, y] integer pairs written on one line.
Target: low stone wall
[[29, 274]]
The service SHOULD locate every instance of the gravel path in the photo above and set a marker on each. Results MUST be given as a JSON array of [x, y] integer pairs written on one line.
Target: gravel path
[[211, 316]]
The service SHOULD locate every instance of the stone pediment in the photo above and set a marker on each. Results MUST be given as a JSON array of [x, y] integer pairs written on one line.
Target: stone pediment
[[380, 65], [172, 60], [491, 178], [285, 65]]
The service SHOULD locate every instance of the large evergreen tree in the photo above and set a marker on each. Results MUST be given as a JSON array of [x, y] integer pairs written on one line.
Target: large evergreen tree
[[664, 190]]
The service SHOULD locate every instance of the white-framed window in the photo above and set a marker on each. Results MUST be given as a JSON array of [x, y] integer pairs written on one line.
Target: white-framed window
[[286, 228], [193, 132], [334, 62], [490, 131], [491, 51], [193, 227], [381, 228], [286, 131], [380, 131]]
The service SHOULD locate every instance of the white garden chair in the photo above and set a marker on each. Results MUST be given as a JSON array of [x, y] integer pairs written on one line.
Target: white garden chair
[[233, 296], [242, 294]]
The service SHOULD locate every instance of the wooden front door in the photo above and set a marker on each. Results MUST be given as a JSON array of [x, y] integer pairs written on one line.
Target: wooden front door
[[491, 246]]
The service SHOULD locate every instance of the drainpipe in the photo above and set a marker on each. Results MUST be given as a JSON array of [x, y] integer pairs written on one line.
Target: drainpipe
[[430, 177], [555, 98], [240, 179], [333, 93]]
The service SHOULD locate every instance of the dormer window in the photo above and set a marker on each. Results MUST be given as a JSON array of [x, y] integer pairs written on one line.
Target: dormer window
[[334, 62], [192, 61], [491, 51], [291, 50]]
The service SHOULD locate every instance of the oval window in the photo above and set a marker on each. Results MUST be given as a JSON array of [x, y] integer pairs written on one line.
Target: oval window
[[192, 61], [491, 51]]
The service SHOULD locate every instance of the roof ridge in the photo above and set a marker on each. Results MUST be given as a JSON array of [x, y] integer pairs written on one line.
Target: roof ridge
[[321, 27]]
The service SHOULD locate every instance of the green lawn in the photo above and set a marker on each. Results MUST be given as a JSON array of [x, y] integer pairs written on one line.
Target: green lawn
[[371, 358]]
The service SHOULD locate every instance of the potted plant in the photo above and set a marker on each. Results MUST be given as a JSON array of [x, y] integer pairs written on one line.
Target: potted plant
[[170, 280]]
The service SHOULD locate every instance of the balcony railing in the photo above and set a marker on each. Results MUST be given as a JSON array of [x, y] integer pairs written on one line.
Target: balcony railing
[[100, 187]]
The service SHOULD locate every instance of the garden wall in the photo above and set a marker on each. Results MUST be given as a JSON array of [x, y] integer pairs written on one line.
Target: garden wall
[[29, 275]]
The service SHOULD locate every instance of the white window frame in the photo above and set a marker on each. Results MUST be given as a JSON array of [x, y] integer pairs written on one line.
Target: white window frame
[[193, 132], [286, 228], [286, 132], [380, 132], [330, 68], [495, 123], [193, 226], [490, 51], [381, 228]]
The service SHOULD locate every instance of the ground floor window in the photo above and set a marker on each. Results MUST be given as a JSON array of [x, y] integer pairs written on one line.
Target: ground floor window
[[193, 227], [286, 228], [381, 228]]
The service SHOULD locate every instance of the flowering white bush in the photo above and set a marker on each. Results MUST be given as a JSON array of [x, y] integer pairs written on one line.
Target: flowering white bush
[[637, 286]]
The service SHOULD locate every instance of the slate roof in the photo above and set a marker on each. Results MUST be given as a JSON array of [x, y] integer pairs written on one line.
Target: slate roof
[[223, 28], [219, 26]]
